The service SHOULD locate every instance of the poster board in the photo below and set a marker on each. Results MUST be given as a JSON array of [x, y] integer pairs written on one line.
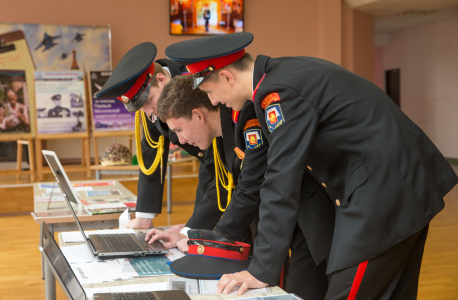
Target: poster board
[[109, 117], [60, 99], [15, 56]]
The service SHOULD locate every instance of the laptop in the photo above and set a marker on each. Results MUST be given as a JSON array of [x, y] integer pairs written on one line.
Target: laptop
[[73, 289], [103, 246]]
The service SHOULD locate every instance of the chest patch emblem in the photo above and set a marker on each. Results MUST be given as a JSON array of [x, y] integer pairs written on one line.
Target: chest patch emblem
[[274, 116], [253, 138]]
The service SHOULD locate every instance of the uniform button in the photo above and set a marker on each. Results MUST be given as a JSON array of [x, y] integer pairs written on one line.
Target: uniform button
[[337, 202], [309, 168], [200, 154], [324, 184]]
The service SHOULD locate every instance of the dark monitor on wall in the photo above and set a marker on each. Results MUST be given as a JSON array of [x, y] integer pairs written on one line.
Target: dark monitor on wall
[[206, 17]]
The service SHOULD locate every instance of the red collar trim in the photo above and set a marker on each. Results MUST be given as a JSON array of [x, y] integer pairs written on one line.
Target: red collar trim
[[257, 86], [217, 63], [235, 116]]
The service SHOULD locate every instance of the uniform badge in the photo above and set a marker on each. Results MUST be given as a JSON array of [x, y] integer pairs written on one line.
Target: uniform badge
[[272, 97], [253, 138], [274, 116]]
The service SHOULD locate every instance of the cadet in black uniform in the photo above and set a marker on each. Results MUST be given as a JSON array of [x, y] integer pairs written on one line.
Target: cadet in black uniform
[[385, 178], [130, 82], [58, 111], [190, 114]]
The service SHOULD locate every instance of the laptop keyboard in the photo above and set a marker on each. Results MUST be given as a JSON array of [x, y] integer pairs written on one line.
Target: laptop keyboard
[[120, 242], [133, 296]]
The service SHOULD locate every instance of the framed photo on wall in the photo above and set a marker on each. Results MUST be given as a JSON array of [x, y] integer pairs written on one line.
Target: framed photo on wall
[[206, 17]]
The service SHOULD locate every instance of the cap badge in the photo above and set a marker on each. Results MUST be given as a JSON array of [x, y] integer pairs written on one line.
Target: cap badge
[[125, 99], [200, 249], [241, 249]]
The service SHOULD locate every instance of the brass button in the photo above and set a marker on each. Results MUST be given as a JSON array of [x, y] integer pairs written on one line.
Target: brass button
[[309, 168], [337, 202], [200, 154], [200, 249], [324, 184]]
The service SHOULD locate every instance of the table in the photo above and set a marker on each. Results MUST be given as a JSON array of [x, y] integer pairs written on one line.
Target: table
[[133, 170], [153, 279], [67, 222]]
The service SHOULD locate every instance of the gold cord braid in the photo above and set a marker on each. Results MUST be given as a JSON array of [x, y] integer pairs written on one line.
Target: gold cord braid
[[159, 145], [220, 174]]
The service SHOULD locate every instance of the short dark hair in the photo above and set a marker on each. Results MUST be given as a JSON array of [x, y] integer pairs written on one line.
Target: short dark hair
[[178, 99], [241, 64]]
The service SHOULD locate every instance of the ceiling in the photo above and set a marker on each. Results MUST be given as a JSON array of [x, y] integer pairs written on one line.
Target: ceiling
[[395, 15]]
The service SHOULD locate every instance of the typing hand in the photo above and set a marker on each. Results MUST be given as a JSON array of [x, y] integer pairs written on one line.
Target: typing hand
[[176, 228], [170, 238]]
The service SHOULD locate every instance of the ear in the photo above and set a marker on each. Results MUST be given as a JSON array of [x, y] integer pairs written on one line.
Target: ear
[[199, 114], [161, 79], [227, 76]]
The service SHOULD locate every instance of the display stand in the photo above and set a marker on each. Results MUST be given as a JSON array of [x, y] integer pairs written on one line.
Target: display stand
[[25, 139], [85, 153]]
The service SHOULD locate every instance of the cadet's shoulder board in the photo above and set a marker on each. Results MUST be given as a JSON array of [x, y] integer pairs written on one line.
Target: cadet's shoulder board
[[252, 133], [235, 116]]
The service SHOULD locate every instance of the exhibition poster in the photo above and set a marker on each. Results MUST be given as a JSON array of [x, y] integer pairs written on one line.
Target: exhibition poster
[[14, 102], [60, 102], [64, 47], [108, 114]]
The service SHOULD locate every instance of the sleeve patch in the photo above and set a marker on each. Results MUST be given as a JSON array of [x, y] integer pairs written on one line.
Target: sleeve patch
[[253, 138], [274, 116], [272, 97], [251, 123]]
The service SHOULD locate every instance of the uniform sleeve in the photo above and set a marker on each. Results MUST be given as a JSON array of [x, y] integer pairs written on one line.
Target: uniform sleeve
[[150, 188], [206, 212], [244, 205], [292, 124]]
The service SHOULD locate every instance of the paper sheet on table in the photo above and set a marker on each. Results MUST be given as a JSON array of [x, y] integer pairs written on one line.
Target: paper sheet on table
[[190, 286], [209, 287], [76, 189], [158, 286], [146, 266], [97, 272], [75, 236], [174, 254], [124, 218], [78, 254], [274, 297]]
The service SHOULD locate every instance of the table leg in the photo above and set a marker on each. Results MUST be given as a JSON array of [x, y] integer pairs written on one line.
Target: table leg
[[169, 189], [50, 283], [97, 175]]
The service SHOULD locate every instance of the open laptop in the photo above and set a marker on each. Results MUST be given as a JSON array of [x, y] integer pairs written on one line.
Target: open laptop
[[103, 245], [73, 289]]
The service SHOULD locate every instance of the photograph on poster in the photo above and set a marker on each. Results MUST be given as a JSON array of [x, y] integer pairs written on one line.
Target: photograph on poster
[[108, 114], [206, 17], [64, 47], [60, 103], [14, 102]]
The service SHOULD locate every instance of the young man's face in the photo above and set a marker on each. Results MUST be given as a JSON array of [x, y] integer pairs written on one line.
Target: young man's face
[[12, 97], [195, 132], [223, 92]]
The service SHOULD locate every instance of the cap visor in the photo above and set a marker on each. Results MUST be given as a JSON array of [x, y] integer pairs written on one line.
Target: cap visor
[[198, 81], [207, 267]]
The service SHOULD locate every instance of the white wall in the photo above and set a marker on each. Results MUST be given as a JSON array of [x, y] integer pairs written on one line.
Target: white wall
[[428, 59]]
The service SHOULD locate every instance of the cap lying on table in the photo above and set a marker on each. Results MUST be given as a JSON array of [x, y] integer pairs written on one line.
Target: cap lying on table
[[211, 254]]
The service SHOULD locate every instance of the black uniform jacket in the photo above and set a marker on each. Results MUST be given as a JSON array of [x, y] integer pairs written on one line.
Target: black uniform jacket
[[150, 188], [384, 176]]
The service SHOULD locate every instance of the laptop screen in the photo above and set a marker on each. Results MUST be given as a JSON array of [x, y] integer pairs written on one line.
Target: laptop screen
[[59, 265]]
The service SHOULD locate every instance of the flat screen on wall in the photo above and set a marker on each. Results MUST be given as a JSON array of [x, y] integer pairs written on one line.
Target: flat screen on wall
[[206, 17]]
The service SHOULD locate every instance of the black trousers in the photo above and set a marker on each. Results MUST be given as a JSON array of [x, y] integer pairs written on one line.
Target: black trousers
[[390, 275], [305, 278]]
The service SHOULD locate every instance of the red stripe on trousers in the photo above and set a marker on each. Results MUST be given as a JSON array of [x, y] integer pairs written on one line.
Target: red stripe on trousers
[[357, 281]]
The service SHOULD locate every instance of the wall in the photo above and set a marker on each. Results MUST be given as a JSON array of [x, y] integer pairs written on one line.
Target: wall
[[428, 59], [309, 28]]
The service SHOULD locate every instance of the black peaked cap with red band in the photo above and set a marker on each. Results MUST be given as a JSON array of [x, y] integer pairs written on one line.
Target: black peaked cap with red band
[[205, 55], [129, 81], [211, 255]]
